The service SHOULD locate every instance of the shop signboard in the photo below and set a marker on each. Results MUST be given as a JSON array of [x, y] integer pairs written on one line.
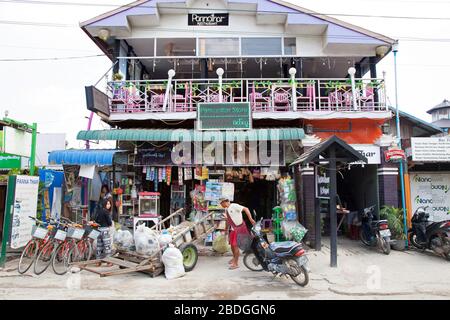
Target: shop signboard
[[24, 207], [154, 156], [9, 161], [371, 152], [431, 191], [17, 142], [431, 149], [394, 154], [96, 100], [322, 183], [208, 19], [224, 116]]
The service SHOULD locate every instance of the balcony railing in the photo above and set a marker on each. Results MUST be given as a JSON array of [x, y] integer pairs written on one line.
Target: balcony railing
[[264, 95]]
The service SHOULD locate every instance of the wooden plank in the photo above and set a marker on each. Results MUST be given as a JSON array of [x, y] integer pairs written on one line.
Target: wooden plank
[[125, 271], [119, 262], [91, 270], [85, 263]]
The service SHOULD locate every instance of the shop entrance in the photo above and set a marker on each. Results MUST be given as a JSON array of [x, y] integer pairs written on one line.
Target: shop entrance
[[259, 196]]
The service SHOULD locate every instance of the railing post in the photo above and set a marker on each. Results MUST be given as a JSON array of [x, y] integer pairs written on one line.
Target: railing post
[[220, 74], [171, 74], [351, 72], [319, 95], [292, 72]]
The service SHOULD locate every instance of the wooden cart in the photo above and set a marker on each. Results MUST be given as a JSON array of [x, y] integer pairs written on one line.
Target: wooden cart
[[187, 235]]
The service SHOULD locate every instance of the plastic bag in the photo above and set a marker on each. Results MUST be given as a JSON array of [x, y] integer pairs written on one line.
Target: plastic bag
[[164, 239], [220, 244], [173, 263], [293, 230], [145, 240], [123, 239]]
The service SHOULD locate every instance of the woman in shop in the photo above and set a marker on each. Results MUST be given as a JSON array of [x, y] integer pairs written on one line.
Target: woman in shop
[[237, 225], [104, 240]]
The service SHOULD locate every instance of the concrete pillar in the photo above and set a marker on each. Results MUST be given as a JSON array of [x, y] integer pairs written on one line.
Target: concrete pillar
[[388, 183]]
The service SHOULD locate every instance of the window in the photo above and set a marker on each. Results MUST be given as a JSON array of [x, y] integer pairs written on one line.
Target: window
[[290, 46], [443, 114], [261, 46], [218, 46], [176, 47]]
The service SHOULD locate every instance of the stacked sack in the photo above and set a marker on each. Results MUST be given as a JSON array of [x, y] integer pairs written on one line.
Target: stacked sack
[[146, 240], [173, 263], [123, 239]]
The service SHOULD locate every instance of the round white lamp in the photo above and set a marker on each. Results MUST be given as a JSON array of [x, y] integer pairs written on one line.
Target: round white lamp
[[351, 71], [104, 34], [220, 72], [292, 71], [171, 73]]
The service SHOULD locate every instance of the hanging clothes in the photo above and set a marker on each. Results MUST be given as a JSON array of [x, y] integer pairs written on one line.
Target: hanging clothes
[[168, 175], [180, 176]]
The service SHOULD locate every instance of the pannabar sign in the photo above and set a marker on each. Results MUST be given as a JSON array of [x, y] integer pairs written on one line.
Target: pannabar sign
[[208, 19]]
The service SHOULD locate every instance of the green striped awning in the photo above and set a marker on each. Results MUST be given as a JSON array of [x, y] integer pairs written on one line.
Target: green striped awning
[[193, 135]]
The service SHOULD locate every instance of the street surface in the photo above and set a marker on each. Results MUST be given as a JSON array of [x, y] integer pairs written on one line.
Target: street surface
[[362, 273]]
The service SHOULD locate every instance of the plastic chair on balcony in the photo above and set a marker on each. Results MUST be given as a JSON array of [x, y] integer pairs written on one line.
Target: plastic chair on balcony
[[281, 101], [215, 98], [368, 100], [181, 103], [308, 101], [157, 103], [134, 102]]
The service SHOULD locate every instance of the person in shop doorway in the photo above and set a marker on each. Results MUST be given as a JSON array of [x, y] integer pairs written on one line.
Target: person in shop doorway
[[104, 240], [235, 221]]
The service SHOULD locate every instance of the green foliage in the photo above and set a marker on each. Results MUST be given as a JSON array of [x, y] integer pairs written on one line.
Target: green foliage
[[394, 216]]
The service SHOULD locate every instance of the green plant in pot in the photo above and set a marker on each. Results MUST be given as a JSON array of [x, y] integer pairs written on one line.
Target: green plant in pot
[[394, 216]]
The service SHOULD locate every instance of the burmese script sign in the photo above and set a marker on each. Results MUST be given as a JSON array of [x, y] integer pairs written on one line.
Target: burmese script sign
[[224, 116], [322, 183], [431, 149], [208, 19]]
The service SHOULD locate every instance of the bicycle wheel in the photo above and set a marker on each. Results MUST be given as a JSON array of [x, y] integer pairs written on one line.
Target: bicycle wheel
[[60, 259], [75, 255], [28, 255], [85, 250], [44, 258]]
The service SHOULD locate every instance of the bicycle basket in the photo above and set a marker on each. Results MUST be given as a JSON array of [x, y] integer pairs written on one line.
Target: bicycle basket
[[94, 234], [75, 233], [60, 235], [39, 232]]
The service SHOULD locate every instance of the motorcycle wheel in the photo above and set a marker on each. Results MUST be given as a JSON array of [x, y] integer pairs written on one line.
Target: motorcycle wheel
[[302, 278], [385, 245], [363, 238], [251, 262]]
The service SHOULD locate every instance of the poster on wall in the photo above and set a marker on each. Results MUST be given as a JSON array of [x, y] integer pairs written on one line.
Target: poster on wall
[[25, 206], [431, 191]]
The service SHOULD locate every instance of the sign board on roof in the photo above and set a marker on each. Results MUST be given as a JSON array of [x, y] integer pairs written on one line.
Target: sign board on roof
[[17, 142], [224, 116], [9, 161], [207, 19]]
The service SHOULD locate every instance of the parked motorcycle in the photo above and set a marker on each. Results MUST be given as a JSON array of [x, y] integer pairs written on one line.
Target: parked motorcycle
[[281, 258], [375, 232], [425, 234]]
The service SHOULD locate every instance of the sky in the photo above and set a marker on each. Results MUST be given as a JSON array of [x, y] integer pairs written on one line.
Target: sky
[[51, 93]]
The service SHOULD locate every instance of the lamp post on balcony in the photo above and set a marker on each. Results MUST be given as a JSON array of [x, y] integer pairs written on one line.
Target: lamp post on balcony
[[220, 74], [171, 74], [292, 72], [351, 72]]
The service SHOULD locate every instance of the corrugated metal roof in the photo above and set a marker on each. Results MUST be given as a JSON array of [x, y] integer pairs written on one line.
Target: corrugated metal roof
[[443, 104], [193, 135], [100, 157]]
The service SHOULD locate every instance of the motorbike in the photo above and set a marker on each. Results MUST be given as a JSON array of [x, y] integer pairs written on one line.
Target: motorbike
[[375, 232], [425, 234], [285, 258]]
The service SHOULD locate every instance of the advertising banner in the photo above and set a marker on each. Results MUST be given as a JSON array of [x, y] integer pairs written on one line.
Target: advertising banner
[[430, 149], [17, 142], [25, 206], [431, 191]]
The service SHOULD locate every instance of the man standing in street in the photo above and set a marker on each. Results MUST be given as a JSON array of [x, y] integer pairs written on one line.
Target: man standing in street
[[235, 222]]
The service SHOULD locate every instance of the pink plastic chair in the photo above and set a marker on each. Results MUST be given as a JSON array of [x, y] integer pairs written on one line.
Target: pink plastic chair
[[368, 102], [307, 102], [181, 104], [157, 102], [281, 101]]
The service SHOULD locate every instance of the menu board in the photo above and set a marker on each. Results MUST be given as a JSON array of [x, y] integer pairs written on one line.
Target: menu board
[[25, 206], [225, 115], [322, 183]]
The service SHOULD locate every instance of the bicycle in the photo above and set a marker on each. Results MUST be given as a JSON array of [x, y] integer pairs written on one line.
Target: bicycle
[[44, 258], [67, 250], [40, 237], [85, 245]]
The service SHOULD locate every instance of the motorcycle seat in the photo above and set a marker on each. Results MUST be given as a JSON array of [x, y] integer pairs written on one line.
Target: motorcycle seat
[[284, 246]]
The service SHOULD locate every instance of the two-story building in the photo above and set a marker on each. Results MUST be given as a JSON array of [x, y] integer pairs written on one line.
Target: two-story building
[[279, 72]]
